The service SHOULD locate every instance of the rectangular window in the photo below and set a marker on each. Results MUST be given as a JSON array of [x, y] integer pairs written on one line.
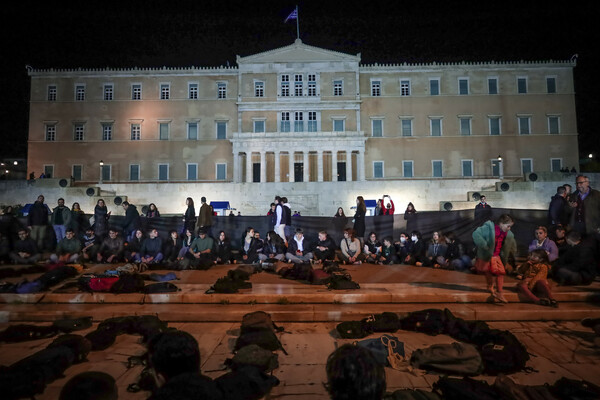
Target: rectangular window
[[107, 132], [492, 85], [106, 172], [52, 93], [192, 131], [49, 171], [465, 126], [136, 91], [221, 90], [163, 131], [298, 121], [407, 169], [406, 126], [554, 125], [259, 126], [524, 125], [192, 172], [78, 132], [521, 85], [551, 84], [377, 169], [285, 121], [312, 84], [375, 88], [77, 172], [134, 172], [221, 130], [285, 85], [163, 172], [494, 126], [259, 89], [555, 164], [435, 126], [50, 133], [193, 91], [467, 167], [298, 85], [221, 172], [312, 121], [437, 167], [463, 86], [526, 166], [79, 92], [136, 132], [404, 87], [377, 127], [165, 91], [338, 125], [109, 91], [338, 88], [434, 87]]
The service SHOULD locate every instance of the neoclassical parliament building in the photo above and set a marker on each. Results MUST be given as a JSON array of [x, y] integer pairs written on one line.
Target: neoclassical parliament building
[[303, 114]]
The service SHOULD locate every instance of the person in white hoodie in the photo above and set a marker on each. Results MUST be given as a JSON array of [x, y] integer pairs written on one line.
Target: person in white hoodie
[[280, 218], [287, 212]]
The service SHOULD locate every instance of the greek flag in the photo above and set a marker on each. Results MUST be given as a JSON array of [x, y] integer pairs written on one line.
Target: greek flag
[[293, 15]]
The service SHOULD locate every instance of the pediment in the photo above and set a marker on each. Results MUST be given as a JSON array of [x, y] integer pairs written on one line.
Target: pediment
[[298, 52]]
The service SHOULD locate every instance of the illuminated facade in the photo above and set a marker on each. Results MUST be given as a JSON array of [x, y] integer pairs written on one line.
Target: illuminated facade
[[303, 114]]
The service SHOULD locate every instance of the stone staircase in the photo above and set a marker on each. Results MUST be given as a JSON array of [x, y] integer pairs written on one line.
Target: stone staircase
[[397, 288]]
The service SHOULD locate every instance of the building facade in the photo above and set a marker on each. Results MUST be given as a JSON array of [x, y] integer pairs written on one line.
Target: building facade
[[303, 114]]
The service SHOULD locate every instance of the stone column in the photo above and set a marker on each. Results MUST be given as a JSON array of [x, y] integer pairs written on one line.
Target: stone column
[[305, 178], [263, 166], [320, 165], [334, 161], [349, 165], [291, 166], [360, 165], [236, 167], [248, 167], [277, 167]]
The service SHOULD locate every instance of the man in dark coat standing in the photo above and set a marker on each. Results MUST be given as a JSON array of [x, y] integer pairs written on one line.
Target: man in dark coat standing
[[556, 211], [132, 220], [37, 222]]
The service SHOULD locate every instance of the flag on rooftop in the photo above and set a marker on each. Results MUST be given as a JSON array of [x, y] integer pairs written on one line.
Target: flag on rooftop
[[293, 15]]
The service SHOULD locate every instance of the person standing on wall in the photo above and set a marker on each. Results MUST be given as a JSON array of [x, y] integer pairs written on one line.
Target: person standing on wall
[[205, 217], [359, 219]]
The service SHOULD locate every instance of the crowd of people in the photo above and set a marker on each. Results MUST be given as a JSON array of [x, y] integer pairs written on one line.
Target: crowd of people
[[564, 250]]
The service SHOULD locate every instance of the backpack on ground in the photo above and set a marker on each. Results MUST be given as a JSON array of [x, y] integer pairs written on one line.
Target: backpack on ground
[[255, 355], [258, 321], [319, 277], [161, 287], [128, 284], [566, 388], [501, 352], [465, 389], [79, 345], [26, 332], [455, 359], [73, 324], [258, 328], [430, 321], [247, 382], [388, 350], [384, 322], [352, 330], [342, 282], [411, 394], [298, 272]]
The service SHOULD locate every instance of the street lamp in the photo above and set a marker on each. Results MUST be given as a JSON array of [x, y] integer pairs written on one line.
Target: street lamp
[[101, 165], [500, 167]]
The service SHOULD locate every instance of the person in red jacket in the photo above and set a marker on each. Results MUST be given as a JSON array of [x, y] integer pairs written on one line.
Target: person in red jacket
[[389, 208]]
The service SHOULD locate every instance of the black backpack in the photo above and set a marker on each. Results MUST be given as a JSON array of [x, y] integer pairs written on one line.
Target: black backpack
[[128, 284], [255, 355], [384, 322], [352, 330], [342, 282], [430, 321], [566, 388], [161, 287], [501, 352], [465, 389], [247, 382], [299, 272]]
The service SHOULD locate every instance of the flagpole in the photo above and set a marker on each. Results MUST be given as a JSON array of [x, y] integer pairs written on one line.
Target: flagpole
[[297, 23]]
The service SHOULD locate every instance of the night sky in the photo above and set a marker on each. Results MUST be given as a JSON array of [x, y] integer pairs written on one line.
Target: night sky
[[129, 33]]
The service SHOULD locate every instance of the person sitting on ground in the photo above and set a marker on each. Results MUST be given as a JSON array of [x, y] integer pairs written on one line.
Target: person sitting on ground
[[543, 242], [134, 245], [353, 373], [68, 249], [172, 246], [372, 248], [577, 265], [249, 247], [299, 248], [350, 248], [416, 255], [435, 256], [273, 248], [534, 273], [111, 249], [387, 255], [325, 248], [186, 241], [200, 252], [261, 243], [456, 256], [151, 251], [25, 250], [91, 244], [90, 385], [560, 239], [403, 248], [223, 254]]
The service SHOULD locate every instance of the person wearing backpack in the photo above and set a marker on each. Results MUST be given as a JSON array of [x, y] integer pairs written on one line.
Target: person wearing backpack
[[494, 243]]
